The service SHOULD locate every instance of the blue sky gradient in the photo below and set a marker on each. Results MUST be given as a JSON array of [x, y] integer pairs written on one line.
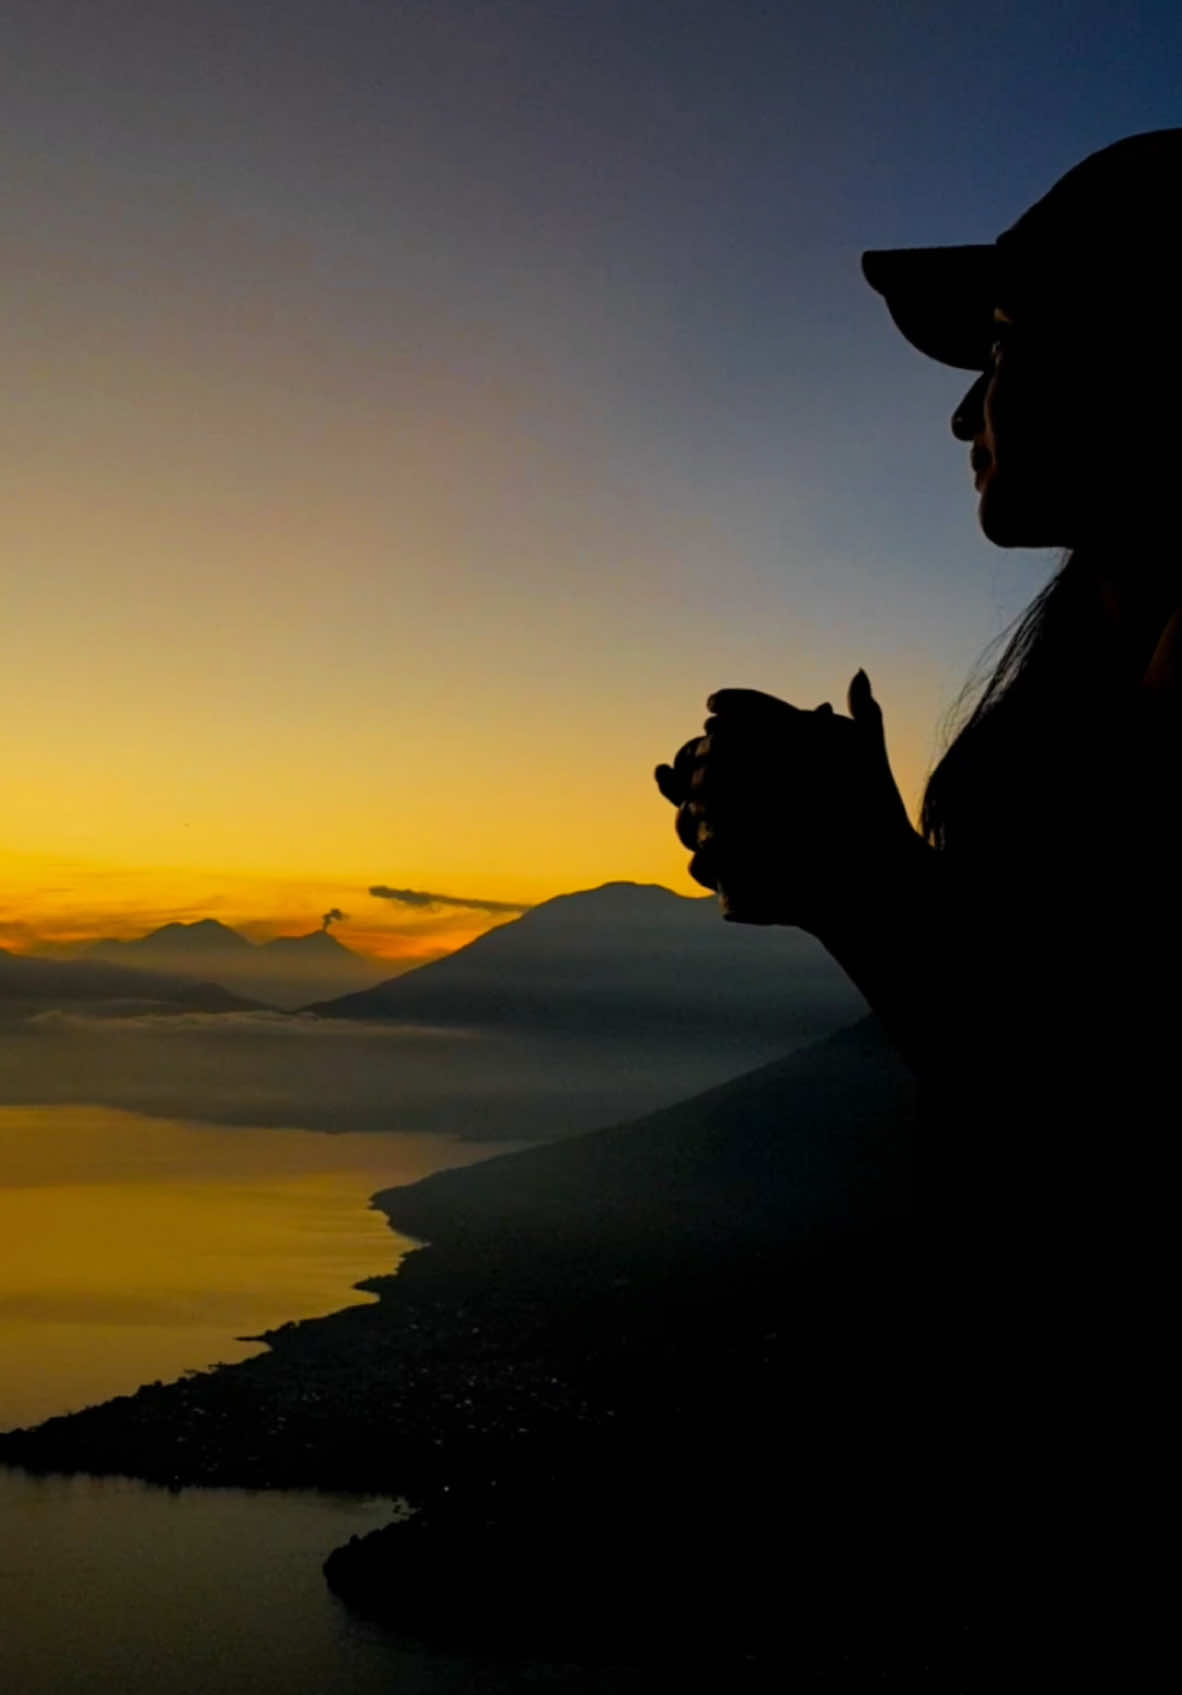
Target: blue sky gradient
[[414, 410]]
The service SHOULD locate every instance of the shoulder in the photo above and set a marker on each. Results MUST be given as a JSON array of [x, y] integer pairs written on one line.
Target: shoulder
[[1152, 759], [1162, 681]]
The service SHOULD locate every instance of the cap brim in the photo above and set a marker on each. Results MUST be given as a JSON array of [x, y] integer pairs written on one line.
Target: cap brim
[[942, 298]]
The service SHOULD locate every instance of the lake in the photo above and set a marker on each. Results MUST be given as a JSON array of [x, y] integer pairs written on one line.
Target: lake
[[110, 1587], [135, 1248]]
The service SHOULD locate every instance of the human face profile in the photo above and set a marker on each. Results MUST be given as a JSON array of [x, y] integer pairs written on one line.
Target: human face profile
[[1025, 457]]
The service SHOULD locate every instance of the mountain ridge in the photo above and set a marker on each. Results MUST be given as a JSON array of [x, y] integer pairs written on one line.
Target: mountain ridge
[[284, 971], [30, 984], [623, 958], [800, 1147]]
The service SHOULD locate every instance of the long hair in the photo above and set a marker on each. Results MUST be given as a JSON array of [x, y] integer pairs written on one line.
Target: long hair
[[1029, 730]]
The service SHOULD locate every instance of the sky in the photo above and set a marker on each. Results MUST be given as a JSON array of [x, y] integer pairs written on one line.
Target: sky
[[413, 411]]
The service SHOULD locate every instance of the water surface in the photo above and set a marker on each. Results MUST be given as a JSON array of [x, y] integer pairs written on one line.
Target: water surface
[[134, 1248], [112, 1586]]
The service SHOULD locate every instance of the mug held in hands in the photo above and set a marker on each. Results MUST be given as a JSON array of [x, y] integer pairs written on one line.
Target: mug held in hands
[[788, 814]]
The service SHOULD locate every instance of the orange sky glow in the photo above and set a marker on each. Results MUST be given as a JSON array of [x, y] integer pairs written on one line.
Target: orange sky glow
[[52, 906], [388, 481], [528, 840]]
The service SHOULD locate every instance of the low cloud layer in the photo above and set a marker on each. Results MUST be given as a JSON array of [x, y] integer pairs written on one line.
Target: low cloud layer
[[225, 1026], [426, 902]]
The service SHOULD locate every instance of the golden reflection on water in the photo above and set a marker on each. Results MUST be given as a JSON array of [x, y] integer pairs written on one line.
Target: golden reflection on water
[[135, 1248]]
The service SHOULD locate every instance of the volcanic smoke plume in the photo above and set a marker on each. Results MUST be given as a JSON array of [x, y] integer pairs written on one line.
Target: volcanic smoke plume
[[428, 902]]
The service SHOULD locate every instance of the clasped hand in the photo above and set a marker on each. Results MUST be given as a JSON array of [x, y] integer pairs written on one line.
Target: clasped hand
[[789, 815]]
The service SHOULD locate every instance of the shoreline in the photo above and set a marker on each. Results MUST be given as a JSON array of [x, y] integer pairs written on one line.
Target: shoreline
[[545, 1276], [523, 1252], [631, 1352]]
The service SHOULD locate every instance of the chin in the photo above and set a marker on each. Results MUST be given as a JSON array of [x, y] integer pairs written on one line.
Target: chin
[[1009, 522]]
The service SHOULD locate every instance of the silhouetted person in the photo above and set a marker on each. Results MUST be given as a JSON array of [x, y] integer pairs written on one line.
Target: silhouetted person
[[1022, 947]]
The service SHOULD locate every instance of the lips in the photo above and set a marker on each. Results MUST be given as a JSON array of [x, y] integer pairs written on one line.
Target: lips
[[980, 459]]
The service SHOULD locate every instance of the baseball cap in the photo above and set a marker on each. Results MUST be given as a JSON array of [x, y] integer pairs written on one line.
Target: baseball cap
[[1112, 220]]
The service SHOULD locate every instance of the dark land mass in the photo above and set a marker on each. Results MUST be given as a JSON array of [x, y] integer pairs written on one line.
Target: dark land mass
[[30, 985], [647, 1390]]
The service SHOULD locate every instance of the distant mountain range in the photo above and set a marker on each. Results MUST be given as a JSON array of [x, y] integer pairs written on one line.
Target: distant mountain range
[[627, 960], [591, 1008], [29, 985], [286, 972]]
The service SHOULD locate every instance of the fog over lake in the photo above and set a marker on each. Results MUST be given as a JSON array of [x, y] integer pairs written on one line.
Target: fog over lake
[[338, 1075]]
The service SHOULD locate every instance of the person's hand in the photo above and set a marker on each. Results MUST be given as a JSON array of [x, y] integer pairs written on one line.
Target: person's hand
[[792, 816]]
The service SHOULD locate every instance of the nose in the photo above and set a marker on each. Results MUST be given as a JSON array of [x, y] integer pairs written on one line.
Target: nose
[[969, 418]]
